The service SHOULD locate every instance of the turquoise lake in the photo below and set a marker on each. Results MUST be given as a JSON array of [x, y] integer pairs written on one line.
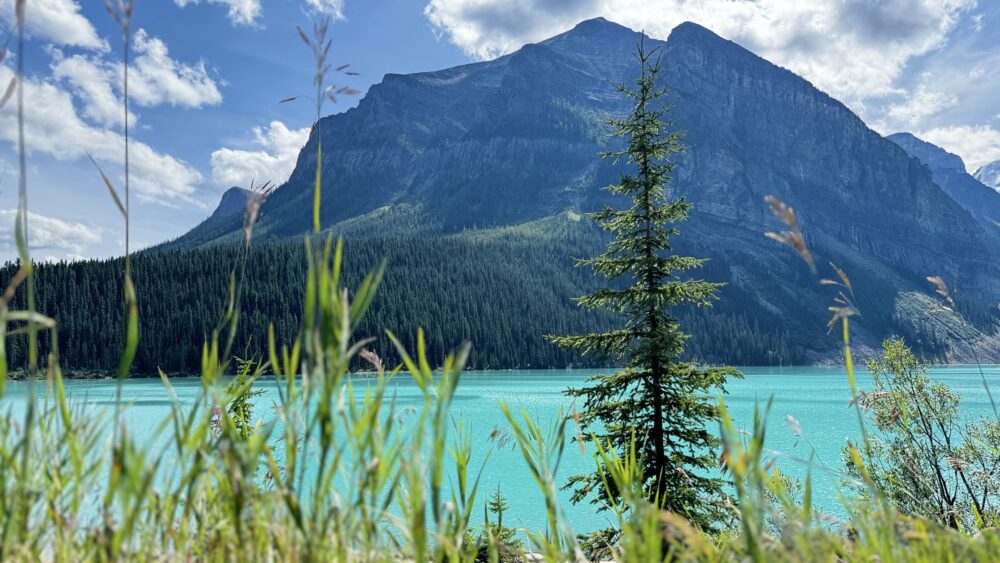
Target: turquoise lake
[[816, 397]]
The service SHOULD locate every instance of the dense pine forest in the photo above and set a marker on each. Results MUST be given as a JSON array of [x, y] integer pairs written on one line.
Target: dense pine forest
[[502, 289]]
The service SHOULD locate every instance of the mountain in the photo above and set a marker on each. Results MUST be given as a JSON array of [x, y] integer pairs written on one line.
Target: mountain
[[233, 202], [989, 174], [470, 151], [223, 225], [948, 171]]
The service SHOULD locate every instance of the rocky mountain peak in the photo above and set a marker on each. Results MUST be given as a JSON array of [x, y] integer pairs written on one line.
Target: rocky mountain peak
[[596, 28], [693, 32], [233, 202], [932, 155], [989, 174], [948, 172]]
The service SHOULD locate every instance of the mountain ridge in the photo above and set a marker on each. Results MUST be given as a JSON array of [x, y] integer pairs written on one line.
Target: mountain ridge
[[514, 140], [949, 172]]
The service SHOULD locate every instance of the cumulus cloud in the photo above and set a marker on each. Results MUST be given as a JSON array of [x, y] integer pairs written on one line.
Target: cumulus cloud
[[240, 12], [978, 144], [924, 102], [57, 21], [154, 79], [273, 159], [92, 83], [49, 234], [157, 79], [248, 12], [53, 126], [332, 8], [852, 49]]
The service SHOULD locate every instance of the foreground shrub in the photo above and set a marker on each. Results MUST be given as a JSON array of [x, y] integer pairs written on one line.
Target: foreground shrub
[[924, 459]]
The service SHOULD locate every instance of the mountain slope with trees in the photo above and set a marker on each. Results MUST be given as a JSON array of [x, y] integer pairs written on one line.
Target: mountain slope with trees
[[474, 158], [502, 289], [512, 140]]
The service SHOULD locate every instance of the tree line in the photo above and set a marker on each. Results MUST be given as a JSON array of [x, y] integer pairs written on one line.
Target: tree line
[[503, 290]]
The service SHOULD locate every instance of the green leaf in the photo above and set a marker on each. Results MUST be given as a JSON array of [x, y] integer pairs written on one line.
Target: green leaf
[[111, 188], [131, 331]]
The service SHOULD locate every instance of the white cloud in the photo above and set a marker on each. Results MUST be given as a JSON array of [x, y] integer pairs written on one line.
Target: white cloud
[[91, 81], [248, 12], [6, 169], [332, 8], [52, 126], [273, 161], [852, 49], [924, 102], [240, 12], [978, 145], [57, 21], [155, 78], [486, 29], [50, 234]]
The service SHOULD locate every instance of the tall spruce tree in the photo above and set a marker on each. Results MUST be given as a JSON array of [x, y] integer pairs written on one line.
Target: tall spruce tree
[[661, 404]]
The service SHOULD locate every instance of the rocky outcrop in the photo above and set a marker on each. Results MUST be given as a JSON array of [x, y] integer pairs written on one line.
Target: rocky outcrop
[[948, 171], [233, 202]]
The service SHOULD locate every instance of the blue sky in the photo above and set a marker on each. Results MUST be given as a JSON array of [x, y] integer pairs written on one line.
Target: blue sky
[[207, 76]]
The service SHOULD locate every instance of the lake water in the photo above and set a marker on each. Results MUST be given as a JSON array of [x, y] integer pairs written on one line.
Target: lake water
[[816, 397]]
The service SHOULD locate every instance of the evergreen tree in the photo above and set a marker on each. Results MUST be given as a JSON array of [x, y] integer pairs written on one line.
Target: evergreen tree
[[657, 401], [507, 548], [497, 504]]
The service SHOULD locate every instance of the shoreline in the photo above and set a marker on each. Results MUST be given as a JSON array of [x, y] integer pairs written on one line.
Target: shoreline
[[92, 375]]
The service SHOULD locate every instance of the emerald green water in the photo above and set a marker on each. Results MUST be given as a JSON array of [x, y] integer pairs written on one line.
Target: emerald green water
[[816, 397]]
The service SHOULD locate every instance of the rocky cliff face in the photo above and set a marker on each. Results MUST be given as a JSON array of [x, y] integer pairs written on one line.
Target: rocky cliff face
[[484, 144], [233, 202], [516, 139], [756, 129], [948, 171]]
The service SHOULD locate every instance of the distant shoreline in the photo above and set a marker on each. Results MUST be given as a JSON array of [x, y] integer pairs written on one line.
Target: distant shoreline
[[92, 375]]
